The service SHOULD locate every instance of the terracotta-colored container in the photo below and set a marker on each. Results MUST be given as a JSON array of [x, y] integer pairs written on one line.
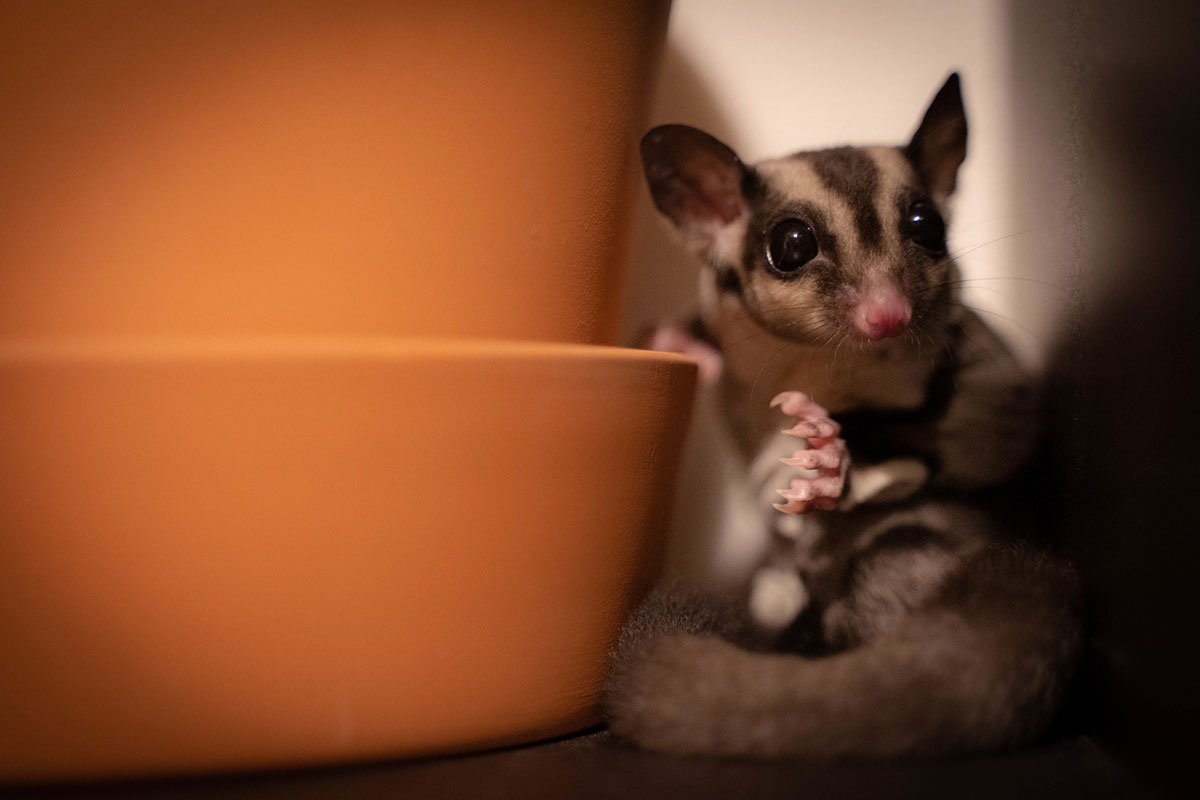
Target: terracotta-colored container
[[319, 167], [251, 554]]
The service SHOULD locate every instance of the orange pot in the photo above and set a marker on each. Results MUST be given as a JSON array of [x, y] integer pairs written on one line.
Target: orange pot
[[248, 554], [319, 167]]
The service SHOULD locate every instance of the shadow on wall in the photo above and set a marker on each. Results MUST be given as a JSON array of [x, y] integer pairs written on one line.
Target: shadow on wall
[[1125, 85], [662, 279]]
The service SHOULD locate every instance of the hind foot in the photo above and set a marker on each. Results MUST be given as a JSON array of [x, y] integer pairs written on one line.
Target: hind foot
[[777, 596]]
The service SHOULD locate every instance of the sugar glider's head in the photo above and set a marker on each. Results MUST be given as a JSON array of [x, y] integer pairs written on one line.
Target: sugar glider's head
[[820, 245]]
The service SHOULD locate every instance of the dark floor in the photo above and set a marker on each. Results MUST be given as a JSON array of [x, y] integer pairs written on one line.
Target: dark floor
[[593, 766]]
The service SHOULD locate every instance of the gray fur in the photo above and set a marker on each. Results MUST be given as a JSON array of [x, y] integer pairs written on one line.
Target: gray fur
[[980, 665]]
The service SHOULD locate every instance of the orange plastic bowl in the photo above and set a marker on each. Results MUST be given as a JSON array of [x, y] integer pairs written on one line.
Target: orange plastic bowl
[[252, 554]]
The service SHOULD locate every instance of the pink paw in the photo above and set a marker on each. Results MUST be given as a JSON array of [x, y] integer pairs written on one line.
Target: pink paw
[[826, 454]]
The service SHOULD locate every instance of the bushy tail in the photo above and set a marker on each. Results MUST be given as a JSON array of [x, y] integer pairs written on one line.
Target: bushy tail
[[983, 668]]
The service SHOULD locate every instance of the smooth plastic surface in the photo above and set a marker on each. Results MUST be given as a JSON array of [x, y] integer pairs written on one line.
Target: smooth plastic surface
[[254, 554], [320, 167]]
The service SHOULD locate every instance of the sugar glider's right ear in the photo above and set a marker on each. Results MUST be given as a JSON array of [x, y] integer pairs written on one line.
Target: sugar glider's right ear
[[695, 179]]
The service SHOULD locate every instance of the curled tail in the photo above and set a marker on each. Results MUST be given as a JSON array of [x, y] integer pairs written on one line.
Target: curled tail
[[984, 667]]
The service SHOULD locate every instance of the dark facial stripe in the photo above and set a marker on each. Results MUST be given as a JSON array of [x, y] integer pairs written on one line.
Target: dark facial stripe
[[728, 281], [851, 174], [701, 332]]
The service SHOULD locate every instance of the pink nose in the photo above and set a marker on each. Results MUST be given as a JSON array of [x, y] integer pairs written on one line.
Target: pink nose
[[882, 315]]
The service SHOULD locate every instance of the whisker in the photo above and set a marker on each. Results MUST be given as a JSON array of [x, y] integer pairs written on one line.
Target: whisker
[[761, 370], [967, 250], [1033, 336], [1015, 278]]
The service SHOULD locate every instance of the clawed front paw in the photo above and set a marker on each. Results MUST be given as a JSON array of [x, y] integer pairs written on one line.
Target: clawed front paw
[[826, 454]]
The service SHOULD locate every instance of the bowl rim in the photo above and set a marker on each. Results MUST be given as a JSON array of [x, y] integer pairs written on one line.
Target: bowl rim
[[317, 348]]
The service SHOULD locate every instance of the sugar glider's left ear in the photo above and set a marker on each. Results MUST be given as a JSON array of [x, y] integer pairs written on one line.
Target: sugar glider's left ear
[[940, 143], [695, 179]]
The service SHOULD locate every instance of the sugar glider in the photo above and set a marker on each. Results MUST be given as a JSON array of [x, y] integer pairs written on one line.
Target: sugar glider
[[893, 615]]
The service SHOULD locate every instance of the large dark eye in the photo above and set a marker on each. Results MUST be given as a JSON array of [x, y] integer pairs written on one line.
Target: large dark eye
[[925, 226], [790, 246]]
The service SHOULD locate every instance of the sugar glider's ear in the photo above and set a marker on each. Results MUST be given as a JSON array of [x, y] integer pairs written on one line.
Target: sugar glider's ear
[[940, 143], [695, 180]]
